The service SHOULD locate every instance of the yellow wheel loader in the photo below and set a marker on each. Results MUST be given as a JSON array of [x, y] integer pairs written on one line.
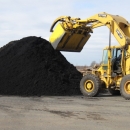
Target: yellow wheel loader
[[71, 34]]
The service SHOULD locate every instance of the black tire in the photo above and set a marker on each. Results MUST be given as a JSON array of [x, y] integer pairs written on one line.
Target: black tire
[[90, 85], [114, 92], [125, 87]]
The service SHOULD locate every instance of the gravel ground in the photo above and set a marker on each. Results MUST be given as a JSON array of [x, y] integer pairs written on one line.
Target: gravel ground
[[64, 112]]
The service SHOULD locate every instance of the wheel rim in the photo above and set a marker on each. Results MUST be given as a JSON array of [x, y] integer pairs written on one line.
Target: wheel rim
[[127, 87], [89, 86]]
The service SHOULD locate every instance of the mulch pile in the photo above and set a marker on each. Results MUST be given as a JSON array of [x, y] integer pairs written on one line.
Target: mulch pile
[[31, 66]]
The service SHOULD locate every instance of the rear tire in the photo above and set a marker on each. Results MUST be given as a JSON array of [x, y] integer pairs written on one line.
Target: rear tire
[[90, 85], [125, 87]]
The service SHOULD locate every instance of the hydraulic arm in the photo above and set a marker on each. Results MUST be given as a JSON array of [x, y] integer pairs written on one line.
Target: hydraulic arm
[[71, 34]]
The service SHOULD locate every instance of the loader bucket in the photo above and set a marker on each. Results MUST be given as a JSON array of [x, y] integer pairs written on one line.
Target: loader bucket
[[72, 41]]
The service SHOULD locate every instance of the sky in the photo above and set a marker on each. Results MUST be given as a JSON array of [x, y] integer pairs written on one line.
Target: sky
[[23, 18]]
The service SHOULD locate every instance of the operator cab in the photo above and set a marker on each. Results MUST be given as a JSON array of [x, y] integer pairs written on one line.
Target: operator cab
[[116, 60], [116, 55]]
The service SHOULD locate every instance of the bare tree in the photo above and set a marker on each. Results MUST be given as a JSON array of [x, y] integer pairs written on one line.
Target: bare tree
[[93, 63]]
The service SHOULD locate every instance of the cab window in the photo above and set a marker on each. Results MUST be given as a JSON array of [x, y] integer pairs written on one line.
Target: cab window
[[105, 57]]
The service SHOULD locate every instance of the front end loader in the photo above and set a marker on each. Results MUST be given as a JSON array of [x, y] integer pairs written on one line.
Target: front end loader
[[71, 34]]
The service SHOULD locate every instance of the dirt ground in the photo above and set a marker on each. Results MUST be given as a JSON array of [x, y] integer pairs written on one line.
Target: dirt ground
[[64, 113]]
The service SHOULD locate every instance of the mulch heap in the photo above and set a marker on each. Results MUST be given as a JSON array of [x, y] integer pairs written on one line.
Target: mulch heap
[[31, 67]]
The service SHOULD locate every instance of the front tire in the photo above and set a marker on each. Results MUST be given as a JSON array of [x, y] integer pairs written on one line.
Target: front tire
[[90, 85], [125, 87]]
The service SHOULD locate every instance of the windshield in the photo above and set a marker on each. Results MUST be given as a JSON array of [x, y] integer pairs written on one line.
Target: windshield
[[105, 57]]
